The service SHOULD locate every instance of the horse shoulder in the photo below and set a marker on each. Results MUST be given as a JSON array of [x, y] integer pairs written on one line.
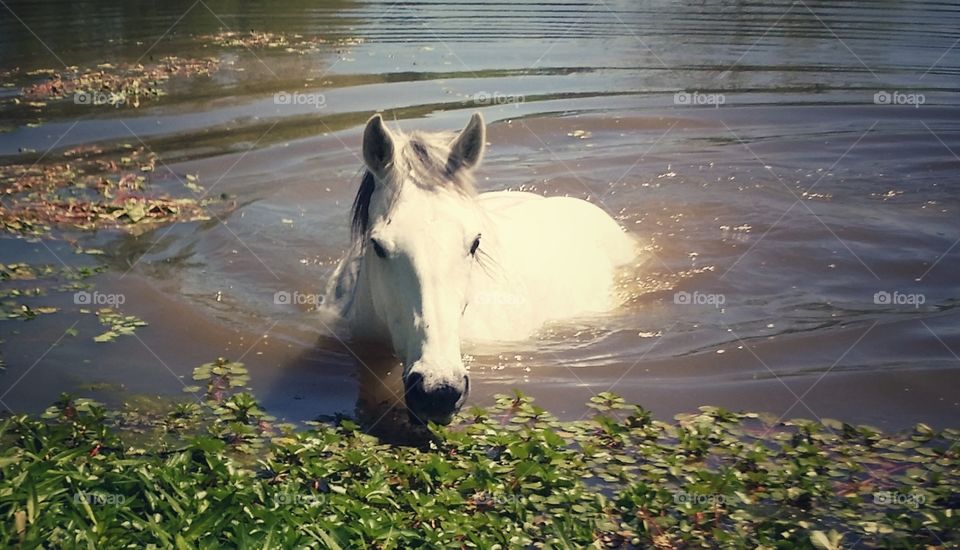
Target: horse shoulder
[[581, 225], [555, 259], [595, 226]]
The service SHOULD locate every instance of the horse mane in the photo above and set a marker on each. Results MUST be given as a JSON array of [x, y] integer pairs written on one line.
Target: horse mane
[[360, 221], [420, 158]]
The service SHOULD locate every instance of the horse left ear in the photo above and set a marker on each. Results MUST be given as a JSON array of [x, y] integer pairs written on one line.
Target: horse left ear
[[377, 146], [467, 149]]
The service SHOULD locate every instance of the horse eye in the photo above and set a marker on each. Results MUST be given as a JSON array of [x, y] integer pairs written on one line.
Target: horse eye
[[378, 248], [475, 246]]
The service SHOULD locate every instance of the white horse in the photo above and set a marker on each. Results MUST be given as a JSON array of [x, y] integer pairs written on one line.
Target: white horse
[[434, 263]]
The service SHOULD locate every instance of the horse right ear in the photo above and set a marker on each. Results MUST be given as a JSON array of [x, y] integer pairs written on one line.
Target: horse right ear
[[467, 149], [377, 146]]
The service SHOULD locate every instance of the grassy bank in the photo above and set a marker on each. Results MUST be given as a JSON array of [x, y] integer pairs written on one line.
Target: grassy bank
[[220, 472]]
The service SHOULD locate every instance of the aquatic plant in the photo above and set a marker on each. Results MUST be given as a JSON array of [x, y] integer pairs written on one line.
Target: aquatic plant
[[23, 284], [93, 189], [117, 324], [220, 472], [286, 42], [109, 84]]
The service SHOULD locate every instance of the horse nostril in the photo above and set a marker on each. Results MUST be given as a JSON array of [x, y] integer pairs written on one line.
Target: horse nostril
[[445, 398], [414, 383], [436, 401]]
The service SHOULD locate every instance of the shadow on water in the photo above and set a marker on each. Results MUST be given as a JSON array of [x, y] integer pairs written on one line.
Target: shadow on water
[[376, 379]]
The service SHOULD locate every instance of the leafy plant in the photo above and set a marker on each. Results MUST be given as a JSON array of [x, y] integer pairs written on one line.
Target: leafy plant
[[221, 472], [118, 323]]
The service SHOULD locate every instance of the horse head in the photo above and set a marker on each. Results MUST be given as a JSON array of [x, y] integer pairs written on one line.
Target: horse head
[[420, 235]]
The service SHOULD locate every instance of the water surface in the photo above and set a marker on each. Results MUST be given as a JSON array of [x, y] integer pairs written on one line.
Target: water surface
[[749, 145]]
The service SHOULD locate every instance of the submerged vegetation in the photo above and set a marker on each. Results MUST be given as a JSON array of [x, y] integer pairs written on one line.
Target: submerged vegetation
[[286, 42], [25, 287], [131, 84], [221, 472], [92, 190], [109, 84], [109, 186]]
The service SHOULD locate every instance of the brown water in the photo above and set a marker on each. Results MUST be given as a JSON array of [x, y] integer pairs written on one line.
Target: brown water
[[793, 202]]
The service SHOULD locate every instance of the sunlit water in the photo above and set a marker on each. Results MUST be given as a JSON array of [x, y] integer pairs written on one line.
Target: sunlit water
[[753, 147]]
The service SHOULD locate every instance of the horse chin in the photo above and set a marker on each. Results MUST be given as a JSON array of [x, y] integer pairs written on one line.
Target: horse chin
[[421, 415]]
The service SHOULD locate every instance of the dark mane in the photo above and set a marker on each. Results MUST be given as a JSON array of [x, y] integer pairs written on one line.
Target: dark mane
[[361, 206]]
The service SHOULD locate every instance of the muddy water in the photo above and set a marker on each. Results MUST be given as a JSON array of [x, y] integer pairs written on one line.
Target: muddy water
[[770, 156]]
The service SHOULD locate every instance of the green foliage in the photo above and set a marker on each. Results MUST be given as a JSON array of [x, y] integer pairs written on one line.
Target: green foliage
[[24, 283], [118, 323], [221, 473]]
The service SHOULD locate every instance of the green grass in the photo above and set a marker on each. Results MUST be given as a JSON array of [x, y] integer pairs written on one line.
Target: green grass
[[222, 473]]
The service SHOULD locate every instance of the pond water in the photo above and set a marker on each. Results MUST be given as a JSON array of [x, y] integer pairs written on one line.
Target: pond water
[[790, 166]]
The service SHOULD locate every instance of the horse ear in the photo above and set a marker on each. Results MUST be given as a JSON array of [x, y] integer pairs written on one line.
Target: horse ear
[[377, 146], [467, 149]]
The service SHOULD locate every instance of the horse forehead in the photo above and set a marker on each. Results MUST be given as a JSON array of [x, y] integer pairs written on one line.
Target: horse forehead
[[433, 227], [424, 207], [426, 228]]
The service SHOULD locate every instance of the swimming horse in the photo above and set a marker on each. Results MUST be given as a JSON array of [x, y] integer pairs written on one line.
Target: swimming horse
[[433, 263]]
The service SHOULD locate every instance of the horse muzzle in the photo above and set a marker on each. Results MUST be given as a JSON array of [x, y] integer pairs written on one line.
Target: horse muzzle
[[434, 399]]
